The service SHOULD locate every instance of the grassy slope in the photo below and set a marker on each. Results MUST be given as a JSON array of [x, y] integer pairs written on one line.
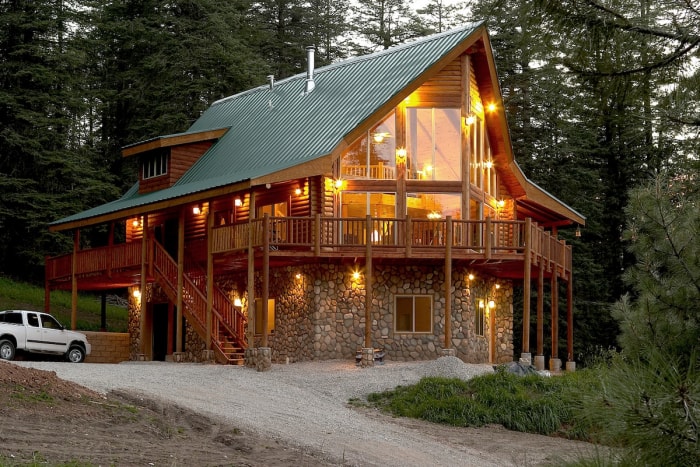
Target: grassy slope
[[23, 296]]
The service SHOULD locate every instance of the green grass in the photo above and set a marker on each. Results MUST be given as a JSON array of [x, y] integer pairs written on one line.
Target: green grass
[[532, 404], [24, 296]]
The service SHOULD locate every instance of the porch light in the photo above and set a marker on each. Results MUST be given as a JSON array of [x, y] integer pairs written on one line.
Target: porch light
[[470, 277], [136, 294], [498, 286], [196, 210], [338, 184], [297, 191], [578, 231], [401, 155], [488, 164], [238, 202], [237, 302], [356, 275], [469, 119], [492, 304], [501, 203], [481, 304], [297, 276], [491, 107], [135, 223]]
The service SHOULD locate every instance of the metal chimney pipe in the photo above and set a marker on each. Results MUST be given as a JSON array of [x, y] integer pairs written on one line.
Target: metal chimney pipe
[[310, 84], [271, 79]]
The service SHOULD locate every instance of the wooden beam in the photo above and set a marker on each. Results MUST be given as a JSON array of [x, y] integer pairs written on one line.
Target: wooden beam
[[555, 316], [368, 285], [570, 319], [527, 270], [74, 281], [144, 283], [266, 278], [448, 284], [540, 309], [210, 276], [180, 278]]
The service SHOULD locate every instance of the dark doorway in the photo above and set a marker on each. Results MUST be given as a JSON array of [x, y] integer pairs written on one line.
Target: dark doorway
[[160, 331]]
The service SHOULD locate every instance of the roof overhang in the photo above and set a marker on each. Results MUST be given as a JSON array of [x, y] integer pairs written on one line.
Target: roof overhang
[[172, 140]]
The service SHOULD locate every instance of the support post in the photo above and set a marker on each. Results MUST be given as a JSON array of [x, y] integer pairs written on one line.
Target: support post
[[539, 358], [266, 278], [448, 283], [210, 276], [144, 282], [368, 285], [251, 286], [570, 362], [180, 279], [74, 281], [555, 362], [526, 285], [103, 311]]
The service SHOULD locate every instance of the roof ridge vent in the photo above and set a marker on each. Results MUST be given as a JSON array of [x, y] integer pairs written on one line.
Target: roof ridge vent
[[310, 84]]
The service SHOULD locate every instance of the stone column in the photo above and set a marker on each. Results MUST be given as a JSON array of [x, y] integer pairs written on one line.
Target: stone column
[[367, 357], [263, 359]]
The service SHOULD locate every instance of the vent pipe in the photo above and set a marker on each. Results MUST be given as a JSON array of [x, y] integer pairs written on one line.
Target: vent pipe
[[310, 85], [271, 79]]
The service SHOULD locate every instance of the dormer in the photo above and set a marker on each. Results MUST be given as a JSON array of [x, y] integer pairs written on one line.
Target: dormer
[[163, 160]]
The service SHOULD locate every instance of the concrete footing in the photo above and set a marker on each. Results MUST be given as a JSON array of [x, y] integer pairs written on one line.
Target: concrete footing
[[179, 357], [526, 358], [570, 366], [140, 357], [448, 352], [539, 362], [207, 356], [554, 364]]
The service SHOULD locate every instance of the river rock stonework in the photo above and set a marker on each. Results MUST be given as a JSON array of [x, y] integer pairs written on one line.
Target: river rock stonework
[[320, 313]]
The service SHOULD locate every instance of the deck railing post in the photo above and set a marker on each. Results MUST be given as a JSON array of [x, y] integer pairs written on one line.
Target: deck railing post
[[368, 285], [487, 238], [448, 283], [409, 236], [317, 234]]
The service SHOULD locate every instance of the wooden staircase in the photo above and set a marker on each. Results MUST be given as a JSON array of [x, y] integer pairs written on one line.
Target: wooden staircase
[[227, 321]]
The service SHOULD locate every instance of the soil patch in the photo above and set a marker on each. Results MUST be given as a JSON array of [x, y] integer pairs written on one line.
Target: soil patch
[[51, 421]]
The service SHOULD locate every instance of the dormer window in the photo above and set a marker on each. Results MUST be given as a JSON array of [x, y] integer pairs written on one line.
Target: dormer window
[[155, 165]]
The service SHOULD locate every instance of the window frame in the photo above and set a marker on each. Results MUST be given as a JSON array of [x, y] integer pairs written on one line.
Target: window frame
[[431, 300], [155, 165], [480, 318]]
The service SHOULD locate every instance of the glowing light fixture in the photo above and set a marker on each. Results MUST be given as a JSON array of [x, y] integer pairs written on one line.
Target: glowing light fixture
[[469, 119], [196, 210], [297, 276], [488, 164], [491, 107], [297, 191], [238, 202], [470, 277], [136, 294], [401, 155], [237, 302], [356, 275]]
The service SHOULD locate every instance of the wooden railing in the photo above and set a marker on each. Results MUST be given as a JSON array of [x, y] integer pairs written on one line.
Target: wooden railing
[[224, 314], [100, 260], [328, 236]]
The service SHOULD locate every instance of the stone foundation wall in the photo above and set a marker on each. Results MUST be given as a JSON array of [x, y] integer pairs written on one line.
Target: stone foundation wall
[[320, 313]]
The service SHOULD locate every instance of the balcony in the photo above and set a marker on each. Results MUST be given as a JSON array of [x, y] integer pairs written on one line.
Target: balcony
[[496, 245]]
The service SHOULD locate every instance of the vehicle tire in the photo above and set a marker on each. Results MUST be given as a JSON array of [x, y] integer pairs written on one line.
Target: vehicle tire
[[7, 350], [75, 354]]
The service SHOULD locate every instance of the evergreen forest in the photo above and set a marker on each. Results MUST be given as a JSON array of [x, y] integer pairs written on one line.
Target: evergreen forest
[[602, 97]]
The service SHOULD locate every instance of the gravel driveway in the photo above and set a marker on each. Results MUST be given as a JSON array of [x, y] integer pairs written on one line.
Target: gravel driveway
[[304, 404]]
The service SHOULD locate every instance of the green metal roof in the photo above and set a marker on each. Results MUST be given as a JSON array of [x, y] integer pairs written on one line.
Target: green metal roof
[[282, 128]]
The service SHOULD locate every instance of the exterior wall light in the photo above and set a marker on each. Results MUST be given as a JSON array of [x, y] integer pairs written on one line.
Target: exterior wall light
[[238, 202], [469, 119], [237, 302], [297, 191], [196, 210], [401, 155]]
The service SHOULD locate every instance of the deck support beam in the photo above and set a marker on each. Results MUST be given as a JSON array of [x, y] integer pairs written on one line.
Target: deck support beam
[[368, 286], [210, 279], [74, 281], [539, 357], [448, 284], [266, 278], [144, 282], [527, 272], [180, 279], [570, 362], [555, 362]]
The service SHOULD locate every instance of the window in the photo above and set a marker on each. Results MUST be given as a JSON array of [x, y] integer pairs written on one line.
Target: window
[[155, 165], [50, 322], [479, 317], [33, 320], [434, 144], [433, 205], [11, 317], [259, 315], [373, 156], [413, 313]]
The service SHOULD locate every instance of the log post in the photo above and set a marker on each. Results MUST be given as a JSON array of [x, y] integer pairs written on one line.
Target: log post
[[448, 284]]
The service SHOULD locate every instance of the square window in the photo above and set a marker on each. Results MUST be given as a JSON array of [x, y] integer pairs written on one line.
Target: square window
[[479, 317], [413, 313]]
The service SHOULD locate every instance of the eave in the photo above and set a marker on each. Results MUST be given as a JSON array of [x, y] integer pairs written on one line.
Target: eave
[[172, 140]]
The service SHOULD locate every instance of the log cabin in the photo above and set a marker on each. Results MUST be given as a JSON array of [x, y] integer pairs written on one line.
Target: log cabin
[[372, 204]]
